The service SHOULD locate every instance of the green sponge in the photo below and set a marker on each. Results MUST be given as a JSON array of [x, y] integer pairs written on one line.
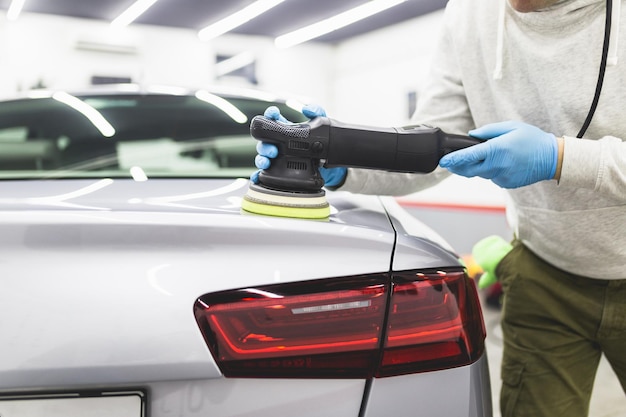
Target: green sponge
[[488, 253]]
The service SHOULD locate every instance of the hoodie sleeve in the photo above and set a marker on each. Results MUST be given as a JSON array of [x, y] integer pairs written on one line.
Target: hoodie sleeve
[[442, 103], [598, 165]]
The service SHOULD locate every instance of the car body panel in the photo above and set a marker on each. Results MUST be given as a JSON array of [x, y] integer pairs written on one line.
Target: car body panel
[[440, 393], [146, 269], [257, 397], [150, 253]]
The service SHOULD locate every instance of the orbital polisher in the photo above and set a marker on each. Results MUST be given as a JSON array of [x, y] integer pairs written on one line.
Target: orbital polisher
[[292, 185]]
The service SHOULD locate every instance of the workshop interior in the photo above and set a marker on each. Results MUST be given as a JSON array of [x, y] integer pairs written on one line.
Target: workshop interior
[[144, 273]]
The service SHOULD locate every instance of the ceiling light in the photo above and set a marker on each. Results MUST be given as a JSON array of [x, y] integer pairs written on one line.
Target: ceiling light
[[237, 19], [14, 9], [133, 12], [138, 174], [86, 110], [224, 105], [234, 63], [333, 23]]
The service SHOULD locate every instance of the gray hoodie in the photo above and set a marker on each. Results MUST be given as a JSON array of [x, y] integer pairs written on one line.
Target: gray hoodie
[[495, 64]]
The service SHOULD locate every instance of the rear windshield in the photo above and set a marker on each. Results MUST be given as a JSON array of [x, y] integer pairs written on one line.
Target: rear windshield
[[123, 135]]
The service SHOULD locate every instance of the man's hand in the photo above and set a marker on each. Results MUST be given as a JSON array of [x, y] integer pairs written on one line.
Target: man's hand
[[514, 154], [267, 151]]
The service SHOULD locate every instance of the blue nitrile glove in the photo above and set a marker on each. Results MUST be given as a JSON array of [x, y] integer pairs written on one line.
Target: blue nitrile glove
[[266, 151], [515, 154]]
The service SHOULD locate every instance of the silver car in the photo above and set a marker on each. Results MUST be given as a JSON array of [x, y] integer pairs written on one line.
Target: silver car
[[132, 284]]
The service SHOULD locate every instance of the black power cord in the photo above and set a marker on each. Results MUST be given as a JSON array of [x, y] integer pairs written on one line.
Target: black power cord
[[605, 53]]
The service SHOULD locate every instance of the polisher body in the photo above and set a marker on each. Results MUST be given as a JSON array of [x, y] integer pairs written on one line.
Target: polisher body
[[304, 147]]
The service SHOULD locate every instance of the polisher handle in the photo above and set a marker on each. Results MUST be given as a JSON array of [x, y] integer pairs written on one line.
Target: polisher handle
[[303, 146], [416, 148]]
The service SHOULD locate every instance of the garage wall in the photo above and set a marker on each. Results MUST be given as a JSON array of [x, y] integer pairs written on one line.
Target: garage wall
[[350, 80], [45, 49], [377, 72], [65, 53]]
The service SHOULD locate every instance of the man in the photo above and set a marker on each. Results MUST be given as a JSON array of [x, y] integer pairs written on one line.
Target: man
[[564, 281]]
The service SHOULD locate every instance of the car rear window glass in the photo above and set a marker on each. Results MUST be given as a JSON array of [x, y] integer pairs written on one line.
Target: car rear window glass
[[109, 135]]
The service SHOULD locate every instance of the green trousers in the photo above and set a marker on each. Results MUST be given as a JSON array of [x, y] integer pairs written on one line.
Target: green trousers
[[556, 326]]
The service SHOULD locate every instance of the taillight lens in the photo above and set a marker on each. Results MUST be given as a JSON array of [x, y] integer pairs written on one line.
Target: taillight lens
[[352, 327], [435, 322]]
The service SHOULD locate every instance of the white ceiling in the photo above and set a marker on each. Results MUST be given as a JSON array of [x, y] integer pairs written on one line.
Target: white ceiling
[[196, 14]]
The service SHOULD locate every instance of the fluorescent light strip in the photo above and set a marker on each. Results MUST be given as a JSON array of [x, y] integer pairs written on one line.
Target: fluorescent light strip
[[224, 105], [233, 63], [138, 174], [86, 110], [15, 9], [237, 19], [333, 23], [133, 12], [91, 188]]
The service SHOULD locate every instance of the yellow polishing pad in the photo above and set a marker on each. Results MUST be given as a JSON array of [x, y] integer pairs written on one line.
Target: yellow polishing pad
[[285, 204]]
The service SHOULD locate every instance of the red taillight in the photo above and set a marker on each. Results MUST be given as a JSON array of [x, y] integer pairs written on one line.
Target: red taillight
[[327, 328], [435, 322], [336, 327]]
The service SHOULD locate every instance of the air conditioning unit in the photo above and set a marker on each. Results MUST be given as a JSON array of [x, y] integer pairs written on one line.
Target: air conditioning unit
[[111, 48]]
